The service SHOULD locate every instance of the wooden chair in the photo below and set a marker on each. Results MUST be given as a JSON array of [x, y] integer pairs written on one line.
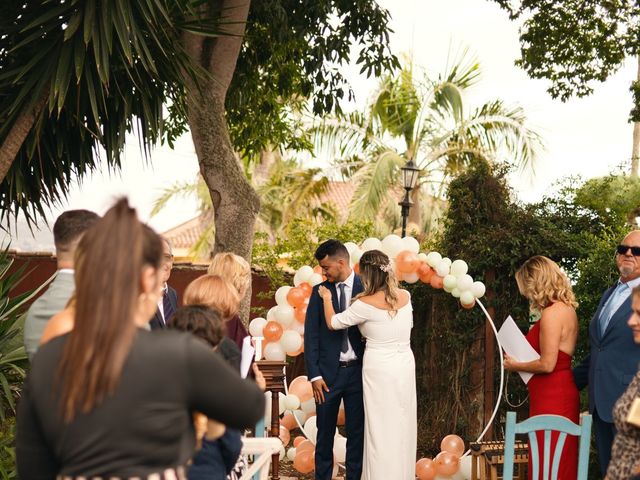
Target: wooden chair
[[547, 423]]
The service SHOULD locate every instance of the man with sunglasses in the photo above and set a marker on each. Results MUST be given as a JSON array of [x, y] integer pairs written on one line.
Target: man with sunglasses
[[614, 357]]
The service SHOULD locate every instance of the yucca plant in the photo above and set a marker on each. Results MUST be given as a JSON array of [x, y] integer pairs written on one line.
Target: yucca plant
[[13, 357]]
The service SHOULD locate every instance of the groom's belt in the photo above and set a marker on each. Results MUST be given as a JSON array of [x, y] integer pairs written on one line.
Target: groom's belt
[[349, 363]]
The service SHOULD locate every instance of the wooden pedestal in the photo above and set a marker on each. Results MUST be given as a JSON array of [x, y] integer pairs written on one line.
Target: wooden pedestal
[[487, 459]]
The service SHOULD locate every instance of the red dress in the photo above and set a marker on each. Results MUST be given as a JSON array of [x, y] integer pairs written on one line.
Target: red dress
[[555, 393]]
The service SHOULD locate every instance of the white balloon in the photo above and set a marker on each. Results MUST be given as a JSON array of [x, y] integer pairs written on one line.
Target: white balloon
[[422, 257], [442, 268], [308, 406], [465, 282], [291, 453], [467, 297], [300, 417], [297, 279], [433, 259], [371, 244], [447, 260], [459, 267], [311, 429], [305, 273], [256, 326], [274, 353], [410, 277], [282, 453], [478, 289], [290, 341], [297, 327], [411, 244], [464, 469], [285, 315], [267, 408], [340, 449], [392, 245], [281, 295], [291, 402], [449, 282], [315, 279], [456, 292], [356, 255], [281, 406], [271, 314], [350, 246]]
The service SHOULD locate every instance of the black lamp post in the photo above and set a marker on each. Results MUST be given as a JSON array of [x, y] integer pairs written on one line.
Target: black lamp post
[[409, 179]]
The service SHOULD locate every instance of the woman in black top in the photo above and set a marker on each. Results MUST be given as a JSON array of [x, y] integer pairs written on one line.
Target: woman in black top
[[111, 399]]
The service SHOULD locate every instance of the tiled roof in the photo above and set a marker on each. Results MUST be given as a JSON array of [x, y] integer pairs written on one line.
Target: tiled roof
[[186, 234]]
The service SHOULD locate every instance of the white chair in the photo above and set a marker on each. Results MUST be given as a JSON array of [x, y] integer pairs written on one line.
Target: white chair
[[262, 449]]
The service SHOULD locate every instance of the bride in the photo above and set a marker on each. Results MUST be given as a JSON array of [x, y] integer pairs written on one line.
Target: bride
[[384, 315]]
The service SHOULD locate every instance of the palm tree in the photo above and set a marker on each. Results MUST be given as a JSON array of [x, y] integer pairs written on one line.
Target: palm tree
[[424, 121]]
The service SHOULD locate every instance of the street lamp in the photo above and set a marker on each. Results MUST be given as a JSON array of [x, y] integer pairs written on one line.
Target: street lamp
[[409, 179]]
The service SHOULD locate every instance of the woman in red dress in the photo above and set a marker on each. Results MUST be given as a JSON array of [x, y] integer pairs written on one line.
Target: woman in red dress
[[551, 389]]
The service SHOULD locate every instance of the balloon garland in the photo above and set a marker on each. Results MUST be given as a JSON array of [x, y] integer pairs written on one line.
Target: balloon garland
[[281, 333]]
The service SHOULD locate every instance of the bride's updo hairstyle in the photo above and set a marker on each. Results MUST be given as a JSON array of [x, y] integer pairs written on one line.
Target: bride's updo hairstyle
[[542, 282], [377, 274]]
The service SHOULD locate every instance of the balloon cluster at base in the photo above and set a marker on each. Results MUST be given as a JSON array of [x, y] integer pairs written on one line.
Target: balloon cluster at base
[[448, 464]]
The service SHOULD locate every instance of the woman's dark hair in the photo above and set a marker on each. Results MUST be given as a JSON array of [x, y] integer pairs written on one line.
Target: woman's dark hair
[[108, 268], [201, 321], [331, 248]]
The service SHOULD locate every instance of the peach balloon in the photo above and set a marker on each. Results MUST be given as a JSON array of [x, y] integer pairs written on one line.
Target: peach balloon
[[301, 387], [452, 444], [407, 262], [468, 306], [284, 436], [306, 288], [435, 281], [295, 297], [298, 440], [300, 312], [356, 268], [425, 469], [303, 461], [341, 417], [288, 421], [446, 464], [305, 445], [272, 332], [317, 269]]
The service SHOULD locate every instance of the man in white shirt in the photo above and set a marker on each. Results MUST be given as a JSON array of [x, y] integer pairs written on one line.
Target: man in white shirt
[[67, 232], [334, 363]]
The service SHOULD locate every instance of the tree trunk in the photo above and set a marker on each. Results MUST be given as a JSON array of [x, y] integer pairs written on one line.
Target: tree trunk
[[635, 149], [235, 202], [18, 133]]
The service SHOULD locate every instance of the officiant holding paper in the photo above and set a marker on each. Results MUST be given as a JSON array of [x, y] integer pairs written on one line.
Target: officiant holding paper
[[551, 389]]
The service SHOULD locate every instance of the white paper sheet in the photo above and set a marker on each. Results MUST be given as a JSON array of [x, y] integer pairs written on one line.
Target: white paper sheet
[[516, 345], [247, 356]]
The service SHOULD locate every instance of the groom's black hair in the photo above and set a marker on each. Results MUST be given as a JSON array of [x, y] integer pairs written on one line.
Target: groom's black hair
[[331, 248]]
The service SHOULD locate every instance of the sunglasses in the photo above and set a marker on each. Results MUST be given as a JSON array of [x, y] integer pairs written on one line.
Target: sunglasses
[[623, 249]]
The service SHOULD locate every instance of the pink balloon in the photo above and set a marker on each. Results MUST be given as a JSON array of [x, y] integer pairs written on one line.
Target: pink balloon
[[426, 469], [446, 464], [452, 444]]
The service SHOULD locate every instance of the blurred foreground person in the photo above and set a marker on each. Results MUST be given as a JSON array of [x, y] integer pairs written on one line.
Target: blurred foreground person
[[110, 399]]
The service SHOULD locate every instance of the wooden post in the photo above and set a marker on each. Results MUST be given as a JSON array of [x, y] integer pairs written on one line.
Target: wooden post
[[274, 375], [489, 356]]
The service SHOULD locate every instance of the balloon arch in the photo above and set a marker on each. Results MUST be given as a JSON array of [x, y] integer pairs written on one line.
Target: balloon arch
[[281, 333]]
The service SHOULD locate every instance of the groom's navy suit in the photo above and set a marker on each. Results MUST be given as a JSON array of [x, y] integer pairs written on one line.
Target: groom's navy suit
[[322, 358], [608, 370]]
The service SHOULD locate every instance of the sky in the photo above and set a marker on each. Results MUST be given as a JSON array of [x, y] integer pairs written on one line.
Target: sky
[[589, 136]]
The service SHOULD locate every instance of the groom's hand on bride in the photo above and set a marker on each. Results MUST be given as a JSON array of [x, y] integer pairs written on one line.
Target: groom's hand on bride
[[319, 387]]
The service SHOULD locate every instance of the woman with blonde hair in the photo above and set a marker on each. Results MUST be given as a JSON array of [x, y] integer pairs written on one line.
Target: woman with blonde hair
[[384, 316], [237, 271], [109, 399], [552, 389]]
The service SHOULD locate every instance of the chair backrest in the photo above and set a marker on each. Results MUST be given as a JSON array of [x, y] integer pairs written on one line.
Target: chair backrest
[[547, 424]]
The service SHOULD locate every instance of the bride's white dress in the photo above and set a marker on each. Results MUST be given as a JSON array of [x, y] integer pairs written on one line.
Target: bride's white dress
[[389, 390]]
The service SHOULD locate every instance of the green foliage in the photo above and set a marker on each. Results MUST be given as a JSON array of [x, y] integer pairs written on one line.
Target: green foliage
[[615, 199], [575, 43], [94, 71]]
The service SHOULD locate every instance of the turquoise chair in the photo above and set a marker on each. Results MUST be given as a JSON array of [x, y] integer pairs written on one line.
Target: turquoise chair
[[547, 423]]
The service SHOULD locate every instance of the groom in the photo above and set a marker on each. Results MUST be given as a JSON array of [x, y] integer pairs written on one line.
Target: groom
[[334, 363]]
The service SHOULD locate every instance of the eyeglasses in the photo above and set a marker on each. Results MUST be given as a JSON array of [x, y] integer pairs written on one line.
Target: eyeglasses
[[623, 249]]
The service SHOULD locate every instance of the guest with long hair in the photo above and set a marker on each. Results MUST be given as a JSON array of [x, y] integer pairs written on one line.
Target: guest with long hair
[[110, 399], [552, 389]]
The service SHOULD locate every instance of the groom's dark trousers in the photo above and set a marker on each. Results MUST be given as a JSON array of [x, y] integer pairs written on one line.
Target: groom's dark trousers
[[322, 358]]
